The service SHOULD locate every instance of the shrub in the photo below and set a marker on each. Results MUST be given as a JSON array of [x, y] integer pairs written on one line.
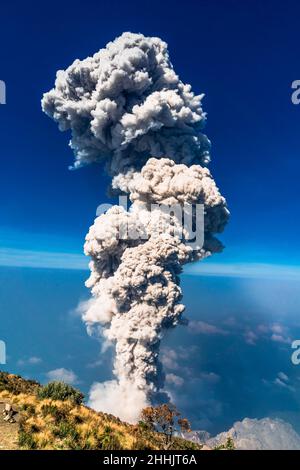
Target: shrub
[[66, 429], [140, 444], [29, 408], [144, 426], [34, 428], [164, 418], [108, 440], [227, 445], [78, 419], [61, 391], [57, 413]]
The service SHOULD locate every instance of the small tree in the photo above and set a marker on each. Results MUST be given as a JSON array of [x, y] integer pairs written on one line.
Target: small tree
[[164, 418]]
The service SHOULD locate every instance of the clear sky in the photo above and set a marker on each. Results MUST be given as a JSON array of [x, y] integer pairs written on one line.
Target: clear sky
[[244, 56]]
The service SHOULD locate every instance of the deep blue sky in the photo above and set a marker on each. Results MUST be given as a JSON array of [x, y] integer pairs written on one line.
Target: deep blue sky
[[242, 55]]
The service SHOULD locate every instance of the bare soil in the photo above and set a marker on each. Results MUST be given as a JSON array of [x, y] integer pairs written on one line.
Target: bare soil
[[8, 432]]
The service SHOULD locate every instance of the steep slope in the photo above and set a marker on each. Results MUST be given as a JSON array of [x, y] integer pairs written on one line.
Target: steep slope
[[260, 434], [63, 424]]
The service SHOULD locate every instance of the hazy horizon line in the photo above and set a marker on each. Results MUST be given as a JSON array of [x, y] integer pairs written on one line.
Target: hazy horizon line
[[24, 258]]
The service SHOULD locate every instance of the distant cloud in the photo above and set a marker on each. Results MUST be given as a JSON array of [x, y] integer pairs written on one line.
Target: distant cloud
[[174, 379], [169, 358], [95, 364], [210, 377], [30, 361], [63, 375], [230, 321], [250, 337], [274, 332], [283, 376], [41, 259], [252, 333], [202, 327], [260, 434], [174, 360], [280, 334], [247, 270], [277, 328], [282, 380], [280, 339]]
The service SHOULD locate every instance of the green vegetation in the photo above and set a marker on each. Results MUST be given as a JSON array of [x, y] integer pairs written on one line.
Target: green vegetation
[[26, 440], [54, 417], [227, 445], [61, 391], [16, 384], [164, 418]]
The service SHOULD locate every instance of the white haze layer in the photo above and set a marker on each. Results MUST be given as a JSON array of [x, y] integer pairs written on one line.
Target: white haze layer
[[126, 105]]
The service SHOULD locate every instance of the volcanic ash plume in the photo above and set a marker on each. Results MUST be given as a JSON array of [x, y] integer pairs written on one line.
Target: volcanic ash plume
[[126, 103], [123, 105]]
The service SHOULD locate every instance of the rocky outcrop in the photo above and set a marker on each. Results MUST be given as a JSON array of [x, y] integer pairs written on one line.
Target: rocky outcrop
[[9, 413]]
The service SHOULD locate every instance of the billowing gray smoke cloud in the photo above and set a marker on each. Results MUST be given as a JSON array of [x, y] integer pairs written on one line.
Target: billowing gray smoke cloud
[[126, 105]]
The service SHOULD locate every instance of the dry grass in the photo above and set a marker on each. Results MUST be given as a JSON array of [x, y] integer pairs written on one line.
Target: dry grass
[[56, 424]]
